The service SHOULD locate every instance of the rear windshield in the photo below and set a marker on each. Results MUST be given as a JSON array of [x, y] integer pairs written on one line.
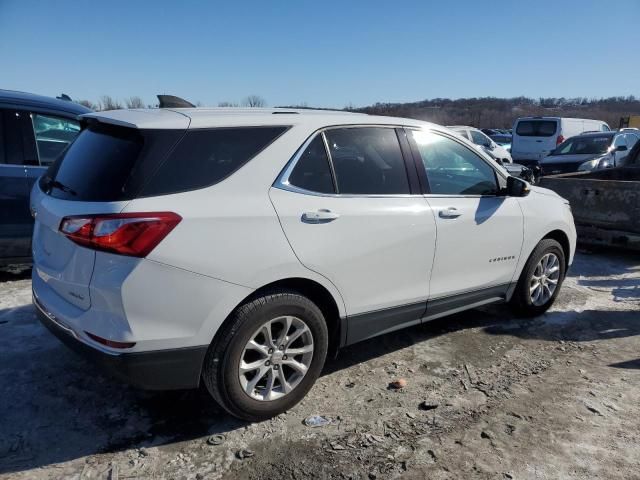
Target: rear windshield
[[591, 145], [108, 163], [536, 128]]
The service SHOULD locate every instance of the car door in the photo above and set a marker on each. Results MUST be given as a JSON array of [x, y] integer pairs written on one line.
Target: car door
[[351, 212], [17, 151], [479, 230], [632, 140]]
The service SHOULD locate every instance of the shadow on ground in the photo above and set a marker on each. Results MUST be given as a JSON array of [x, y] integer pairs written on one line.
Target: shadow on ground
[[631, 364]]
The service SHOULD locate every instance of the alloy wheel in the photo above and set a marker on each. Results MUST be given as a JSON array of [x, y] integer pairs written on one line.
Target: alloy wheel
[[276, 358], [544, 280]]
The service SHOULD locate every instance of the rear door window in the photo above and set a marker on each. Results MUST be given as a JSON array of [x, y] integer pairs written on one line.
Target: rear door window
[[367, 161], [18, 143], [536, 128], [53, 135]]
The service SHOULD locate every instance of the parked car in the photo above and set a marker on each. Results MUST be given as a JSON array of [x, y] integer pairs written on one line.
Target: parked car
[[535, 137], [499, 152], [504, 140], [33, 132], [185, 246], [490, 131], [590, 151], [477, 137]]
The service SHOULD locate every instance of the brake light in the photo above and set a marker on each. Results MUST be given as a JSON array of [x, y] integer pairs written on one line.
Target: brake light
[[559, 140], [132, 234]]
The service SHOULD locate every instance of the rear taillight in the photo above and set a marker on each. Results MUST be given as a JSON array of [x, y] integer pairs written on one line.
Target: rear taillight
[[559, 140], [133, 234]]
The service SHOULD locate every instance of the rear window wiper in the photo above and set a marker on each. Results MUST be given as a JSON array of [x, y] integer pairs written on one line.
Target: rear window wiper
[[60, 186]]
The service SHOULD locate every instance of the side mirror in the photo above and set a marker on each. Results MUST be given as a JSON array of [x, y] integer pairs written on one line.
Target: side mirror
[[621, 148], [517, 187]]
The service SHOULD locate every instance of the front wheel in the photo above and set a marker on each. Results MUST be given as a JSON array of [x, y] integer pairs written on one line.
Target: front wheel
[[540, 280], [268, 355]]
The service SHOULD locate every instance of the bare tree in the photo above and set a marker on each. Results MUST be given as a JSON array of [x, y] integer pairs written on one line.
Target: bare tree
[[134, 102], [254, 101], [88, 104], [227, 104], [109, 103]]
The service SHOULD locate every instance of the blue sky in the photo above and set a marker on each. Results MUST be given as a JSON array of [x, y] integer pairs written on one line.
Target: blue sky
[[327, 54]]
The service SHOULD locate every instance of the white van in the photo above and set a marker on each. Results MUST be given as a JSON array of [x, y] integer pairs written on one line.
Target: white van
[[534, 137]]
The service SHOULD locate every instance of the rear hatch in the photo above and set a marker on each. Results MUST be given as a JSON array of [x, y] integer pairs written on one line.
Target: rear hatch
[[99, 173], [533, 139], [63, 265]]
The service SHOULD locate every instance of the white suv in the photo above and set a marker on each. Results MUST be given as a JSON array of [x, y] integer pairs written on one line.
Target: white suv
[[236, 247], [495, 151]]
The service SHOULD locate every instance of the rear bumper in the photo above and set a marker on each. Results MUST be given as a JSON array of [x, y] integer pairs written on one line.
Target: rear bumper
[[153, 370]]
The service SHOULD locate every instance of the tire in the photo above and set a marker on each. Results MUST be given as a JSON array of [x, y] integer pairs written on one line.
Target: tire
[[524, 302], [221, 370]]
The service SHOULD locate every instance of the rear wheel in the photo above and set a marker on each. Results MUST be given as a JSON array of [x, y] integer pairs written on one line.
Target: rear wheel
[[540, 280], [268, 355]]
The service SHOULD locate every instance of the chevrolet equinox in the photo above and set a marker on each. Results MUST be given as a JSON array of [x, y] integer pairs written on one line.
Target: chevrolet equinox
[[237, 247]]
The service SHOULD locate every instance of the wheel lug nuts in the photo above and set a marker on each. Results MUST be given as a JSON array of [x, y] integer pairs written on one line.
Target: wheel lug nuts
[[281, 347], [284, 357], [267, 363], [276, 367], [271, 350]]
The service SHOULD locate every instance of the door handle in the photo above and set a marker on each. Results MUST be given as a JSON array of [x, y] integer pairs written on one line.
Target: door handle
[[320, 216], [450, 212]]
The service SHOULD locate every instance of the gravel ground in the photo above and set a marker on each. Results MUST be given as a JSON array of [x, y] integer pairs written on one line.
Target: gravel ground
[[486, 396]]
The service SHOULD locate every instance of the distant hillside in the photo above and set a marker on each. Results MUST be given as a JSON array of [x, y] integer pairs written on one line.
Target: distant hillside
[[490, 112]]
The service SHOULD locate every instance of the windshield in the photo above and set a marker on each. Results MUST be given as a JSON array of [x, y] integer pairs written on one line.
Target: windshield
[[501, 139], [592, 145]]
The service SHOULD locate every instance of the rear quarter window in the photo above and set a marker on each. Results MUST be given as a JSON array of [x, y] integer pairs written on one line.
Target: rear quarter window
[[205, 157], [536, 128]]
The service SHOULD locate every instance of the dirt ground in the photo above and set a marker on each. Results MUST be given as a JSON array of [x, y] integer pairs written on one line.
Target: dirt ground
[[487, 396]]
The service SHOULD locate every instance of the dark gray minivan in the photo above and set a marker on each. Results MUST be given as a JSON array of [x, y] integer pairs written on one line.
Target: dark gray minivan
[[34, 130]]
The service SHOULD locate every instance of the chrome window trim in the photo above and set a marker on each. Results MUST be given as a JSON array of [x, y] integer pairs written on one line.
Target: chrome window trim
[[282, 182]]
